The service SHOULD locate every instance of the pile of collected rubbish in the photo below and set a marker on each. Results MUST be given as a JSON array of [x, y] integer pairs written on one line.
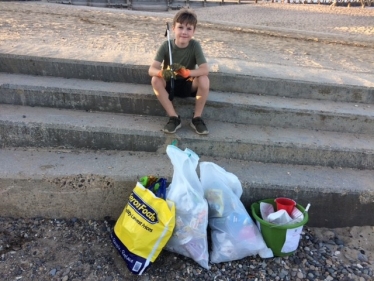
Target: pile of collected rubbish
[[177, 217]]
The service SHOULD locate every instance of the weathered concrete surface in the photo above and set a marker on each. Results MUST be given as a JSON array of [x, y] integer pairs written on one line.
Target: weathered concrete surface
[[71, 183], [38, 127]]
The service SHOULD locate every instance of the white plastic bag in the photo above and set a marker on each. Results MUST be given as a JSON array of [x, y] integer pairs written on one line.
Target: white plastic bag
[[233, 232], [190, 233]]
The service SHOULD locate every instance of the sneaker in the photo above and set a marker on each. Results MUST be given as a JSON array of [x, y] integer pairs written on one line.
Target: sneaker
[[173, 125], [199, 126]]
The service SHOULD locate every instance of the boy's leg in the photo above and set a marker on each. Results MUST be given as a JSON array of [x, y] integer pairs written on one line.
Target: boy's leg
[[200, 83], [174, 123], [158, 85]]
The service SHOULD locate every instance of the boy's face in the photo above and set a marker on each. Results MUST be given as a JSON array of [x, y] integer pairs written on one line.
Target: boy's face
[[183, 34]]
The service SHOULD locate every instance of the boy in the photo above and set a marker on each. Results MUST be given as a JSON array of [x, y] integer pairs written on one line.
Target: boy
[[189, 81]]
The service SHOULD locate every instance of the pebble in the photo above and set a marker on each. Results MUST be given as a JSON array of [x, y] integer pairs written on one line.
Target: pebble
[[53, 272]]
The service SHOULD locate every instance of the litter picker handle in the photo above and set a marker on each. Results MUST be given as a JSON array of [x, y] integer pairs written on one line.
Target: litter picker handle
[[167, 33]]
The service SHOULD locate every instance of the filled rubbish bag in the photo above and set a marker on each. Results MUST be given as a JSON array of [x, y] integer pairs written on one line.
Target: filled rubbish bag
[[233, 232], [144, 227], [190, 233]]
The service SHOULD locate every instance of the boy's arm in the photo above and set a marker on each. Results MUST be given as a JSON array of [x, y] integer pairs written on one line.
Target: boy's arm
[[202, 70], [155, 68]]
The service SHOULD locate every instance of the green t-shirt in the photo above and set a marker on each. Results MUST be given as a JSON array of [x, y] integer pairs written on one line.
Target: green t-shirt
[[189, 57]]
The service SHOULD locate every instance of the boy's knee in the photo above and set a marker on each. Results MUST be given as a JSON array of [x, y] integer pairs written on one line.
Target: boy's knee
[[203, 82], [157, 82]]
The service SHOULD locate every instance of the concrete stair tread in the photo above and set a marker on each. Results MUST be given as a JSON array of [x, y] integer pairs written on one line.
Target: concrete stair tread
[[219, 131], [63, 174]]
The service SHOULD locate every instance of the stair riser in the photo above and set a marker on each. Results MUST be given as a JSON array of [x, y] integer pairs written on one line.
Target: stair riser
[[290, 88], [146, 104], [115, 72], [327, 207], [34, 136], [83, 100], [41, 66], [62, 196], [49, 199], [20, 135]]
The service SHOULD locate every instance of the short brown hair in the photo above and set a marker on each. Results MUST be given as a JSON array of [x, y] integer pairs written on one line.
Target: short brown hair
[[186, 16]]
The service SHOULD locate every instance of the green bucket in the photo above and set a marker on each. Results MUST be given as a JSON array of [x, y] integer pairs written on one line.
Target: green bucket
[[283, 240]]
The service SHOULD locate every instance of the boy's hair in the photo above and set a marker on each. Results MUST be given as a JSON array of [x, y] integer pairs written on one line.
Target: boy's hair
[[186, 16]]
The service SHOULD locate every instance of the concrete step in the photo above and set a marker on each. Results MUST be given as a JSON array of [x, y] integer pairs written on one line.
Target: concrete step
[[49, 127], [62, 183], [221, 106], [138, 74], [75, 147]]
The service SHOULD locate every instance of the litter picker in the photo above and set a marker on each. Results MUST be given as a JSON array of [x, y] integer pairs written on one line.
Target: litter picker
[[171, 94]]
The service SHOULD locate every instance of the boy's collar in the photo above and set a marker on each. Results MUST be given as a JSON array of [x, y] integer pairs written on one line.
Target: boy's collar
[[175, 45]]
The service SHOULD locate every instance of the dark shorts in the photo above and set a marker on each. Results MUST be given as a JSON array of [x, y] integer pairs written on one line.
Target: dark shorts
[[182, 88]]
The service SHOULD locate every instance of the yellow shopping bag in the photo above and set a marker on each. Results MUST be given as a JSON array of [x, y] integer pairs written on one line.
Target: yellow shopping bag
[[143, 229]]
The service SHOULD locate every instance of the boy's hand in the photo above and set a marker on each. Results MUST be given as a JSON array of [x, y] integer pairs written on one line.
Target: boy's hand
[[181, 70], [167, 74], [185, 73]]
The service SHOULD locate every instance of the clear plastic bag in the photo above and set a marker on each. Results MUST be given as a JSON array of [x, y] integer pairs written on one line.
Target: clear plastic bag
[[233, 232], [190, 233]]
